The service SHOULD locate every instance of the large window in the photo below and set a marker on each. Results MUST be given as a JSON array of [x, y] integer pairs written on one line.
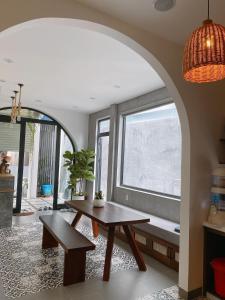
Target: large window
[[151, 151], [102, 155]]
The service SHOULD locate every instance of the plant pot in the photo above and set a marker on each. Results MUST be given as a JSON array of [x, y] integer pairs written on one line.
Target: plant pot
[[46, 190], [98, 202], [77, 197]]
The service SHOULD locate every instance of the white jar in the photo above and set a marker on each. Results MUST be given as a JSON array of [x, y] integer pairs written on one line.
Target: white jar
[[98, 202]]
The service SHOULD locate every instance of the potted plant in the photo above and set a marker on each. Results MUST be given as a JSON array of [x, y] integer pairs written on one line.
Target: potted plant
[[99, 200], [81, 166]]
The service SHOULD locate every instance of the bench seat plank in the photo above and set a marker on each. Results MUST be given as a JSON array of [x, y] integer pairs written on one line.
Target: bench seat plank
[[68, 237]]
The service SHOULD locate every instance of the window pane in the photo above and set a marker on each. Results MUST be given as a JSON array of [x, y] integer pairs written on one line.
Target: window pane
[[152, 150], [9, 147], [103, 153], [64, 193], [104, 126]]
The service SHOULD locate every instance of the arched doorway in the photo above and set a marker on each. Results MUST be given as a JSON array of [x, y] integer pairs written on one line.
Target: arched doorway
[[35, 147], [154, 54]]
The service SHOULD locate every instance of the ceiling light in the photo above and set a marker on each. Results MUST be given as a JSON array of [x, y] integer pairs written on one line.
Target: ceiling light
[[164, 5], [116, 86], [2, 81], [204, 54], [16, 105], [92, 98], [38, 101]]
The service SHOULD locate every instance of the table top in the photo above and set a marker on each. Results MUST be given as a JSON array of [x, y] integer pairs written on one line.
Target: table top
[[109, 215]]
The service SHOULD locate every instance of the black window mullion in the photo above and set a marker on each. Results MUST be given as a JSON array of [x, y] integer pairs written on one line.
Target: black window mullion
[[57, 161], [20, 167]]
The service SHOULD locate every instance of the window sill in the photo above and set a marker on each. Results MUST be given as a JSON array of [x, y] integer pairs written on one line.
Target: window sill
[[148, 193]]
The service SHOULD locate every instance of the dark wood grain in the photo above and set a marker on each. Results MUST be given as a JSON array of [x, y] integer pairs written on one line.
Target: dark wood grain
[[110, 214], [95, 228], [137, 254], [74, 267], [68, 237], [57, 230], [108, 256], [76, 219], [48, 241]]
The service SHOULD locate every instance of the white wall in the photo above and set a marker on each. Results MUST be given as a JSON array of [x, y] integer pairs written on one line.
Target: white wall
[[75, 123], [200, 107]]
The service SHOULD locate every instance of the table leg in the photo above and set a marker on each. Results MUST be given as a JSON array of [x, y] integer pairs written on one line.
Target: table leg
[[76, 219], [134, 247], [95, 228], [108, 255]]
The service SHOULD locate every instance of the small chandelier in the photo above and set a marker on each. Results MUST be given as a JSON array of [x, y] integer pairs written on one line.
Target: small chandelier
[[16, 105], [204, 54]]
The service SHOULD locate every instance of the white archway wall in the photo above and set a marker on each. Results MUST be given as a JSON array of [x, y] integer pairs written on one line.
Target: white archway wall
[[204, 106], [75, 123]]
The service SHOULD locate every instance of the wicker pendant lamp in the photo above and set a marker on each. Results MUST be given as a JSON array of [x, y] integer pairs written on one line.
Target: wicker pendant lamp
[[204, 54]]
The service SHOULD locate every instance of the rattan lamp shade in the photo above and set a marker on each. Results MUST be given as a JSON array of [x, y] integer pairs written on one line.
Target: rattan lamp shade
[[204, 54]]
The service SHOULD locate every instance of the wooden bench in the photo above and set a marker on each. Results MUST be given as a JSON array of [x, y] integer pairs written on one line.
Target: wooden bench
[[57, 231], [157, 238]]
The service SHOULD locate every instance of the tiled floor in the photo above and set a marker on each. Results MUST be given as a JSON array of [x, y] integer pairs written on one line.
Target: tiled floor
[[34, 269], [123, 285], [32, 205]]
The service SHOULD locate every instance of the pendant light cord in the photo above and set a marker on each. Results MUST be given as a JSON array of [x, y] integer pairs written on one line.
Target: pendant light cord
[[208, 9]]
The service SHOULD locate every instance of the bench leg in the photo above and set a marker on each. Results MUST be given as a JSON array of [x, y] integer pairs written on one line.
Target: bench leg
[[74, 266], [48, 241]]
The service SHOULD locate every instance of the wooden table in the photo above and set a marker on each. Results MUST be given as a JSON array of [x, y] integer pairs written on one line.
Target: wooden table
[[111, 216]]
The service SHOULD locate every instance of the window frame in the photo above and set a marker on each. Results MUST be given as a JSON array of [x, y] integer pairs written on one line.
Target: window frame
[[99, 135], [123, 135]]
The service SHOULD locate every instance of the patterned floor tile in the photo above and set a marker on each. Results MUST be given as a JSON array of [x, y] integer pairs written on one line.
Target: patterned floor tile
[[27, 269]]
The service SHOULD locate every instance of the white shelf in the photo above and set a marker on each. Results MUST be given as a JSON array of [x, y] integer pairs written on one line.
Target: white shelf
[[215, 227]]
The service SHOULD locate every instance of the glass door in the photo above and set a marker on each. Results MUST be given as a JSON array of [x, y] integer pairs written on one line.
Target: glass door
[[34, 148], [102, 155], [63, 192], [9, 150], [39, 167]]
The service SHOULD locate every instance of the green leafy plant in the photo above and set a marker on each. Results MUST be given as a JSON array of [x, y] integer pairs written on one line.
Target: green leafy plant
[[99, 195], [80, 164], [32, 127]]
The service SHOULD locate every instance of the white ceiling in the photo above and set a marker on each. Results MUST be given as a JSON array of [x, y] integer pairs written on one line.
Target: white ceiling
[[64, 66], [175, 24]]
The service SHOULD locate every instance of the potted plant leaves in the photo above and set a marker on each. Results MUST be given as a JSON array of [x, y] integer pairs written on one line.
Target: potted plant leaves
[[80, 164], [99, 200]]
